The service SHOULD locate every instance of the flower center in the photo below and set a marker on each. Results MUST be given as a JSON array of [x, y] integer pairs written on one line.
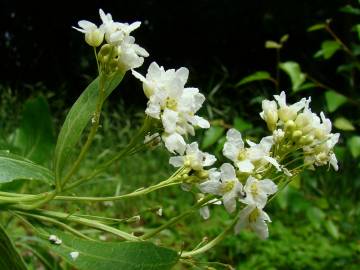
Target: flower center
[[228, 186], [254, 215], [242, 154], [171, 103], [254, 189]]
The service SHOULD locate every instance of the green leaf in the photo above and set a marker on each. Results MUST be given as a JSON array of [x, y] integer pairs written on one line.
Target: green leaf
[[115, 255], [306, 86], [316, 27], [357, 29], [13, 167], [270, 44], [257, 76], [242, 125], [343, 124], [350, 10], [284, 38], [293, 70], [328, 49], [10, 258], [35, 136], [76, 121], [334, 100], [332, 229], [211, 136], [315, 216], [354, 146]]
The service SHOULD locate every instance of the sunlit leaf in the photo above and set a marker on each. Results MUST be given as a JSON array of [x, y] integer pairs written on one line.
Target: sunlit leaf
[[35, 136], [343, 124], [76, 121], [293, 70], [10, 258], [13, 167], [284, 38], [334, 100], [113, 256], [316, 27], [212, 135], [357, 29], [257, 76], [328, 49], [270, 44], [354, 146]]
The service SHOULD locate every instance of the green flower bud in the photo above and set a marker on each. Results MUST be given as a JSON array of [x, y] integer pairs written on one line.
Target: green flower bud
[[94, 38]]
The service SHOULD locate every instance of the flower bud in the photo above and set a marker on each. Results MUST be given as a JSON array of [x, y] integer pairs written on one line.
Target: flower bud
[[289, 125], [296, 134], [94, 38], [286, 114], [305, 140]]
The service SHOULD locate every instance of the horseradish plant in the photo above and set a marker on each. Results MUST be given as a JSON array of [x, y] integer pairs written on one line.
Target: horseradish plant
[[299, 139]]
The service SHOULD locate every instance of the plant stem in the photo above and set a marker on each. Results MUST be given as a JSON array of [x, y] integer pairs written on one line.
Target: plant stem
[[212, 243], [337, 39], [177, 218]]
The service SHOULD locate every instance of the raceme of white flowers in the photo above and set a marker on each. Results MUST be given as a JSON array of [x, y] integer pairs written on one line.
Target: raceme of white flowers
[[297, 134]]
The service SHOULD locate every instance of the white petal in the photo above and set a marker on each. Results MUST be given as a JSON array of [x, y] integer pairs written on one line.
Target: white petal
[[243, 221], [227, 172], [208, 160], [182, 74], [177, 161], [174, 143], [204, 212], [211, 187], [200, 122], [274, 162], [333, 162], [268, 186], [169, 119], [229, 202], [245, 166], [86, 25]]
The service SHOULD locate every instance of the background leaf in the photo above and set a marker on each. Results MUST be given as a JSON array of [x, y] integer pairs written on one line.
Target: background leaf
[[354, 146], [241, 125], [108, 256], [328, 49], [350, 10], [212, 135], [35, 137], [334, 100], [257, 76], [343, 124], [293, 70], [77, 119], [316, 27], [270, 44], [10, 258], [13, 167]]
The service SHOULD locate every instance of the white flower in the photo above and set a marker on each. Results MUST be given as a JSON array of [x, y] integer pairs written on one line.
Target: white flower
[[194, 158], [278, 135], [74, 255], [205, 210], [257, 191], [246, 159], [172, 103], [115, 32], [228, 186], [55, 240], [94, 36], [174, 142], [130, 55], [286, 112], [253, 218], [269, 113]]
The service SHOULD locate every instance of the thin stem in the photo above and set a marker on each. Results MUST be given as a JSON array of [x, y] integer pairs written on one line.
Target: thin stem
[[337, 39], [94, 127], [277, 69], [97, 60], [177, 218], [212, 243]]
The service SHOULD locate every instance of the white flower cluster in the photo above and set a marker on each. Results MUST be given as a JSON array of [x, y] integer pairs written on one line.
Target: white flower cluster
[[296, 127], [172, 103], [129, 54]]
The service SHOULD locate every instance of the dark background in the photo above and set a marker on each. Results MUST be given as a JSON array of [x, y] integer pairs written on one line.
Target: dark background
[[38, 44]]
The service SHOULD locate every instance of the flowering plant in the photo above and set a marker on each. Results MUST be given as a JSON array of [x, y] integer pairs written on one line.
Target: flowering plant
[[255, 172]]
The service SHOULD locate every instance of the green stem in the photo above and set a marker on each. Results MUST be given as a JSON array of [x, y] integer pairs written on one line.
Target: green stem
[[84, 221], [94, 127], [179, 217], [212, 243], [166, 183]]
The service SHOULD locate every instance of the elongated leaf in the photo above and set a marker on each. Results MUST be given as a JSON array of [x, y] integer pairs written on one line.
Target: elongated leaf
[[109, 256], [35, 136], [10, 258], [13, 167], [350, 10], [316, 27], [334, 100], [211, 136], [343, 124], [77, 119], [241, 125], [292, 69], [257, 76], [270, 44]]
